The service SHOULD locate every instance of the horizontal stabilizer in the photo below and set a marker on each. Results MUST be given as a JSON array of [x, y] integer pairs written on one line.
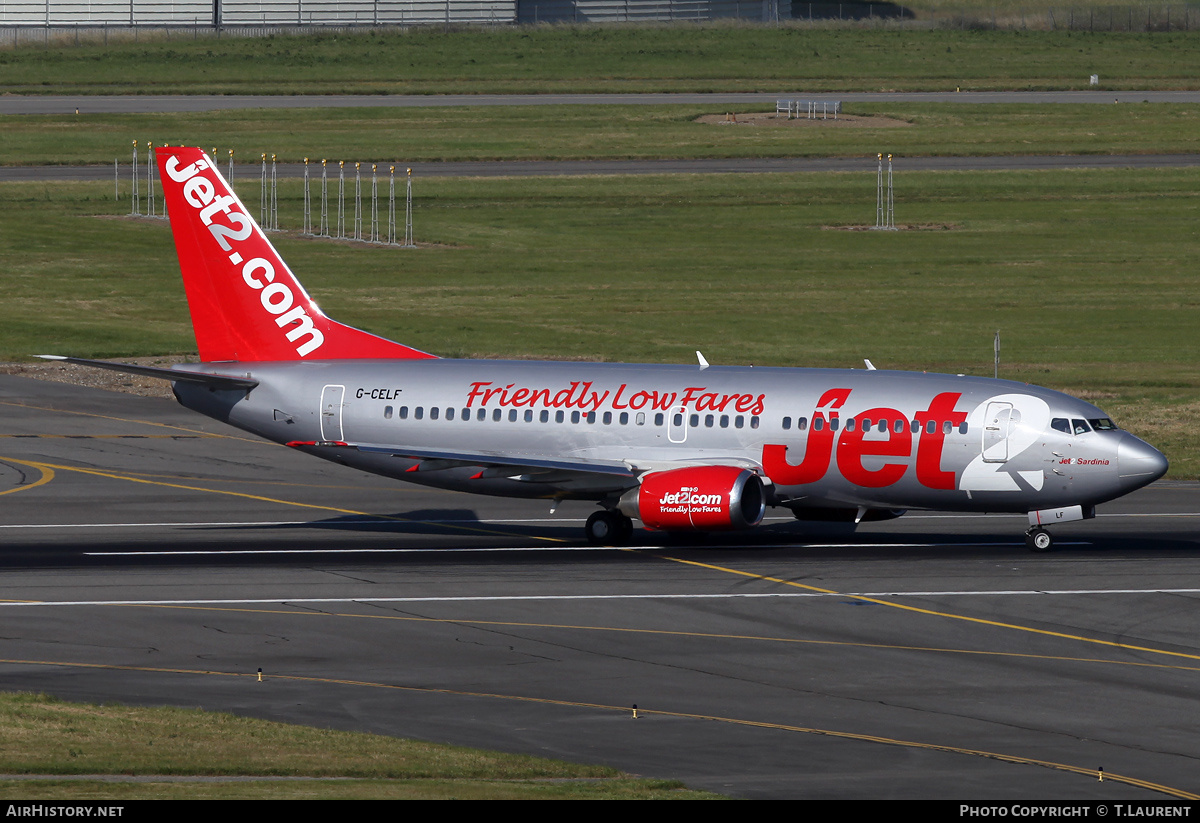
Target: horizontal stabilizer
[[220, 380]]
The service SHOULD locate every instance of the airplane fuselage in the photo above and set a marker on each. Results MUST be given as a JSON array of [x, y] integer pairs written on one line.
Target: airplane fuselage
[[822, 437]]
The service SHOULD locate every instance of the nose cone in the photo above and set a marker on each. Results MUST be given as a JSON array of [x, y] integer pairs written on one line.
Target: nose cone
[[1139, 463]]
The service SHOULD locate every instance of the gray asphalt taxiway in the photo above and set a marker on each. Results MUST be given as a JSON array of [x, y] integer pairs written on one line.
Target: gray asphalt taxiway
[[153, 556]]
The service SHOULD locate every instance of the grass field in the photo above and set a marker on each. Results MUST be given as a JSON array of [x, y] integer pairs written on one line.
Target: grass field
[[582, 132], [1089, 276], [43, 736], [595, 58]]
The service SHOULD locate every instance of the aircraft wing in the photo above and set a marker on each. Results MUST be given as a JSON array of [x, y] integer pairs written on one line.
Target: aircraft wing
[[508, 465], [565, 472]]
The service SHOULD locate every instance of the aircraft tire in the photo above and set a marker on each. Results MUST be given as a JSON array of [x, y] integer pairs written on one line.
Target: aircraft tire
[[1039, 540], [608, 528], [626, 530]]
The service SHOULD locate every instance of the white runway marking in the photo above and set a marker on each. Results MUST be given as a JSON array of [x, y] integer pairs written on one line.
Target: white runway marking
[[581, 597], [561, 548]]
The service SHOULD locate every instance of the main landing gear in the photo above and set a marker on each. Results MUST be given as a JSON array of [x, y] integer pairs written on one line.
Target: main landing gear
[[1038, 539], [608, 528]]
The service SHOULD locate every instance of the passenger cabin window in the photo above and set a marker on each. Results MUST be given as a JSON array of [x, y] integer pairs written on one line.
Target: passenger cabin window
[[387, 412]]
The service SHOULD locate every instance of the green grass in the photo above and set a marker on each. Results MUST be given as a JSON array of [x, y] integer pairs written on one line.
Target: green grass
[[349, 789], [598, 58], [580, 132], [1089, 276], [43, 736]]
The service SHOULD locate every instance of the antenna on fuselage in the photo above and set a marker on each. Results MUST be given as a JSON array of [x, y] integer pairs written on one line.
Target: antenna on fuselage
[[703, 362]]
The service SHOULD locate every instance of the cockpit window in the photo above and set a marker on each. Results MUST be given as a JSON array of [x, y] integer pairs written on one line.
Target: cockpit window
[[1061, 424], [1103, 424], [1080, 426]]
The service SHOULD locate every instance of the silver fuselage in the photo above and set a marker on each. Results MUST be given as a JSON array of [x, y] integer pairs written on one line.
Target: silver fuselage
[[820, 437]]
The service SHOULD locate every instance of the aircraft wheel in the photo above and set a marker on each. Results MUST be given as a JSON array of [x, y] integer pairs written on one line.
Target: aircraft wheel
[[1038, 540], [608, 528], [626, 530]]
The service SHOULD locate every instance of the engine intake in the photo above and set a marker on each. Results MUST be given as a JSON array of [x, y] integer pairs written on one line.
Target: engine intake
[[701, 498]]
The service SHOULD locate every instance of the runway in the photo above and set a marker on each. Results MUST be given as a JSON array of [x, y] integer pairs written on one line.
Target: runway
[[154, 556]]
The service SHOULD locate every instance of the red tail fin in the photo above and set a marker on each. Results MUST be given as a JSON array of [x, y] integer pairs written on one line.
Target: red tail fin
[[246, 304]]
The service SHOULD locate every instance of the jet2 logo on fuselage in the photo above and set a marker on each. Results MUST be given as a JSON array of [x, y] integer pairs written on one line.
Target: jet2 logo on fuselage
[[849, 447]]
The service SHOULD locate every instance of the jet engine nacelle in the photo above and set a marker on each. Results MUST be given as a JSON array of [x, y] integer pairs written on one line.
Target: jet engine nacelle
[[703, 498]]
